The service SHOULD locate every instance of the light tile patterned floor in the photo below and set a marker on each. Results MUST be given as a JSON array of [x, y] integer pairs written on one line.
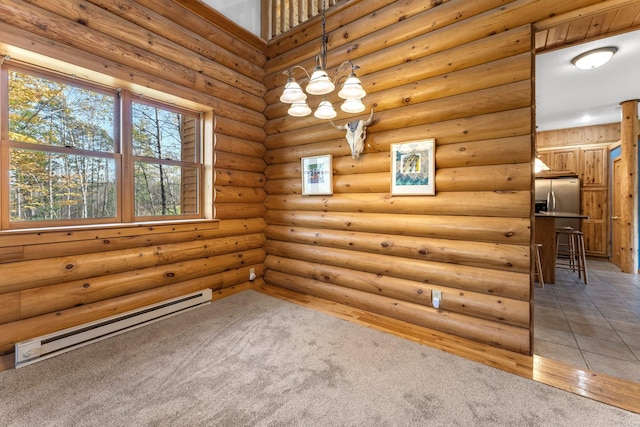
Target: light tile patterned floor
[[596, 326]]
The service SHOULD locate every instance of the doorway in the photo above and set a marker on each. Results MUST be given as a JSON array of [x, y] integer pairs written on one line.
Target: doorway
[[584, 326]]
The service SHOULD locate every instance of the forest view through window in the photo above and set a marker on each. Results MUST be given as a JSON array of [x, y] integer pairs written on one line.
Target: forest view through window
[[78, 153]]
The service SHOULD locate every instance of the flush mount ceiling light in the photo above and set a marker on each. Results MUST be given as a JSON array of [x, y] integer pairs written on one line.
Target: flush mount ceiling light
[[594, 58], [321, 84]]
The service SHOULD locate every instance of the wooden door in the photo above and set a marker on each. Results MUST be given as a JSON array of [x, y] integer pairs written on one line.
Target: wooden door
[[616, 203]]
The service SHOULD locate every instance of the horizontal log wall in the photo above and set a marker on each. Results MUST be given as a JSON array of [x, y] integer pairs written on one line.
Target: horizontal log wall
[[459, 72], [56, 279]]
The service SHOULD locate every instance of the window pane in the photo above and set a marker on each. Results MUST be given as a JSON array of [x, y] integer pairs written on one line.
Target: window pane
[[43, 111], [164, 134], [165, 190], [52, 186]]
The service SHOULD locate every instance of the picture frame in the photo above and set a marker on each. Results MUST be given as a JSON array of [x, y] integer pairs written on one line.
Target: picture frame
[[413, 168], [317, 175]]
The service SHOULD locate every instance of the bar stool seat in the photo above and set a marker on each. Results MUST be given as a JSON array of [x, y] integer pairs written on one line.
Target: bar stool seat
[[571, 256]]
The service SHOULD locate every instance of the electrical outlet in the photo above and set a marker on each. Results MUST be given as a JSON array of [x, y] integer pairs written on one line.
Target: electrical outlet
[[436, 298], [252, 274]]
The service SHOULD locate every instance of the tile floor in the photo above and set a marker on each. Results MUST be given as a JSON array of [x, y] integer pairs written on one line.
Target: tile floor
[[596, 326]]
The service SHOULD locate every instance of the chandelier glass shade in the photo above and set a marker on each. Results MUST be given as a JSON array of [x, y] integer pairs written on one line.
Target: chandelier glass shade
[[320, 83], [325, 110], [299, 109], [352, 106], [292, 93]]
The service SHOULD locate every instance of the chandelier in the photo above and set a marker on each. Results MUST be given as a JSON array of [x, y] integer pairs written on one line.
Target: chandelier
[[321, 84]]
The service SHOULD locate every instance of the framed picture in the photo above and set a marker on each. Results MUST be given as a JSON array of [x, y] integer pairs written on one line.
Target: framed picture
[[317, 175], [413, 168]]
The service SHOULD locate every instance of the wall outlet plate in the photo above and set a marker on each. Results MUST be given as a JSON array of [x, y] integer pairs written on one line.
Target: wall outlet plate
[[436, 294]]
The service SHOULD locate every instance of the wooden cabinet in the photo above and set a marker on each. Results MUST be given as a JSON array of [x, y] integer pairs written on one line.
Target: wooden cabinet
[[561, 160], [591, 164]]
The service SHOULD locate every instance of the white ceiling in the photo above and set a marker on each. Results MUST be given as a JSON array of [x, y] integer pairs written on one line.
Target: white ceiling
[[567, 97]]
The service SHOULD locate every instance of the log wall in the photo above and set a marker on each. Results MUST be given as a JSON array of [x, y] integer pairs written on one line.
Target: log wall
[[53, 279], [459, 72]]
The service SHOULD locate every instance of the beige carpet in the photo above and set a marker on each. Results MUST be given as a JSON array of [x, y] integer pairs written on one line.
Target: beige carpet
[[253, 360]]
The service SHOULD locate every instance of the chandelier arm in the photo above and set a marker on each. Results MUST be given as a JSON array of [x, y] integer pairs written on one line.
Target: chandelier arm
[[289, 72], [336, 73]]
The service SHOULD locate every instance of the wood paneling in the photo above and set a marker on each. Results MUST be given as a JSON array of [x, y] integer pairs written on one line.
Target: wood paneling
[[605, 18], [579, 136]]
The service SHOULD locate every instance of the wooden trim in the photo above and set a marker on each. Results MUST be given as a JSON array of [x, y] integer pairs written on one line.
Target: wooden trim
[[594, 9], [4, 148]]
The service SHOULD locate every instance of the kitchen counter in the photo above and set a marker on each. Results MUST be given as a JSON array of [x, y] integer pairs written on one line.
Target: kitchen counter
[[545, 229], [561, 215]]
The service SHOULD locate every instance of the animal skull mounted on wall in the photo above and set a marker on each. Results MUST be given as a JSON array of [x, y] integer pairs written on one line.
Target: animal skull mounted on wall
[[356, 134]]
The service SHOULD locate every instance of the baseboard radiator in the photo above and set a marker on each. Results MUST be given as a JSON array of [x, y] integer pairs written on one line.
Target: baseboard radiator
[[46, 346]]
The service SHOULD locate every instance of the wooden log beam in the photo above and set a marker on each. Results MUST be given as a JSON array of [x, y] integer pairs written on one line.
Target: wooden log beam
[[479, 254], [43, 236], [239, 178], [239, 60], [211, 25], [238, 162], [386, 28], [227, 211], [472, 153], [32, 274], [32, 48], [474, 304], [235, 128], [492, 100], [484, 152], [513, 123], [629, 187], [44, 23], [496, 334], [230, 144], [411, 35], [515, 231], [38, 301], [231, 194], [78, 247], [478, 204], [475, 178], [466, 278], [104, 21], [390, 93]]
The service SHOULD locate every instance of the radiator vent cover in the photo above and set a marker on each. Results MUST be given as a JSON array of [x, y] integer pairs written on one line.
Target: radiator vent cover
[[46, 346]]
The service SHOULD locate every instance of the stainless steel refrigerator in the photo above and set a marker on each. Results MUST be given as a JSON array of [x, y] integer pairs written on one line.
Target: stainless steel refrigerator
[[560, 195]]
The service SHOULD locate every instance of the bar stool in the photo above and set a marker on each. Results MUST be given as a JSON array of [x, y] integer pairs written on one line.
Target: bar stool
[[571, 256], [539, 272]]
